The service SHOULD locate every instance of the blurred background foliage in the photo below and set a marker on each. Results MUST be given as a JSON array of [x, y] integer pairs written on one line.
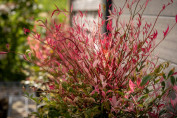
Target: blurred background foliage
[[14, 16], [61, 4]]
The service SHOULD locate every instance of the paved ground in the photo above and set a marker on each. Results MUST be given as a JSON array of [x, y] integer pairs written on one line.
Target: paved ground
[[18, 105]]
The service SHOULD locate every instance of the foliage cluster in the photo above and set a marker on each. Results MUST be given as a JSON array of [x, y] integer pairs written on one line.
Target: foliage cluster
[[100, 75]]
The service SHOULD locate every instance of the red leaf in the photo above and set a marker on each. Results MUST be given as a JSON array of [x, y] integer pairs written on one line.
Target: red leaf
[[71, 8], [24, 56], [7, 46], [175, 88], [176, 18], [3, 52], [95, 63], [81, 14], [113, 101], [173, 102], [165, 33], [110, 6], [99, 12], [155, 34], [120, 12], [138, 82], [160, 105], [134, 61], [109, 91], [96, 90], [174, 73], [58, 63], [163, 7], [109, 26], [26, 30], [146, 3], [131, 85], [55, 11], [51, 87], [103, 94]]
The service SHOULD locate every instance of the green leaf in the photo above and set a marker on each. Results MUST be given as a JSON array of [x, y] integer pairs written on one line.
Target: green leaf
[[71, 90], [27, 94], [120, 93], [163, 85], [147, 90], [136, 69], [31, 96], [64, 85], [142, 67], [140, 105], [171, 72], [142, 97], [127, 99], [107, 106], [156, 81], [157, 70], [164, 76], [45, 99], [35, 113], [172, 78], [146, 102], [162, 112], [145, 80]]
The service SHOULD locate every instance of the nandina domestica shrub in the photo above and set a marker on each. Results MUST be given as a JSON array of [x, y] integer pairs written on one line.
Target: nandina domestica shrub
[[100, 75]]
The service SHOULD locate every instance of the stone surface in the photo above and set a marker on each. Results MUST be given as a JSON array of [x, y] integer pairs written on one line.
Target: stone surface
[[12, 95]]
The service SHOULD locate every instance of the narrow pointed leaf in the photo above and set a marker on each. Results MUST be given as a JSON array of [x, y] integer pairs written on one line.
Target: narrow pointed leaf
[[170, 73], [145, 80], [172, 78]]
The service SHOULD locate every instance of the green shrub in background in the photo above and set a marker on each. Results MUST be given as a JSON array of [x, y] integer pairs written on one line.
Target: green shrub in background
[[62, 4], [14, 16]]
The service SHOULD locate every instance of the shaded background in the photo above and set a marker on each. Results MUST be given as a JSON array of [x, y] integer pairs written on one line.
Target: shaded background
[[15, 15]]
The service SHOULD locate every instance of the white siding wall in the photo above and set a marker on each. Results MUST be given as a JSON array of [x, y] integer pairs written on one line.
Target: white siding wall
[[167, 50], [90, 7]]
